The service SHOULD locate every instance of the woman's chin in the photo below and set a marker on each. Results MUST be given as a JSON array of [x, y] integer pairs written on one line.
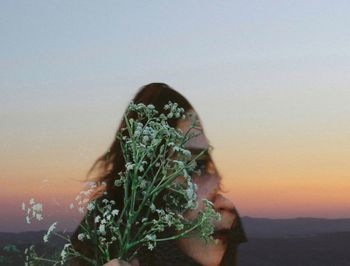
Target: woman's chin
[[207, 254]]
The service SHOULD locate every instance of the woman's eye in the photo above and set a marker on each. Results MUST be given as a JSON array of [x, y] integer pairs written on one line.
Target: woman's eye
[[202, 165]]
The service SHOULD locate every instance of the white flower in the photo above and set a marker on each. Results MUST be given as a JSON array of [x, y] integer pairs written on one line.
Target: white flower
[[71, 206], [102, 229], [49, 231], [115, 212], [81, 209], [38, 207], [150, 246], [189, 193], [187, 153], [91, 206], [39, 217], [160, 212], [151, 237], [118, 182], [81, 236], [179, 163], [64, 253], [97, 219], [143, 184], [31, 201], [167, 219], [145, 139], [28, 220], [179, 227], [23, 206], [129, 166]]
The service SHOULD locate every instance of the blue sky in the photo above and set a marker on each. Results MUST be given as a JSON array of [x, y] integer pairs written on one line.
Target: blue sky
[[55, 54], [60, 42]]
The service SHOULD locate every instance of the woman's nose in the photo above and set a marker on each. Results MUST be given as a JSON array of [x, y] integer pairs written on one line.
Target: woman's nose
[[221, 203]]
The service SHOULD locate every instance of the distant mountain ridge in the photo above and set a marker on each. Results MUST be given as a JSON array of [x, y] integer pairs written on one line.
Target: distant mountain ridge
[[326, 249], [254, 227], [271, 242], [293, 227]]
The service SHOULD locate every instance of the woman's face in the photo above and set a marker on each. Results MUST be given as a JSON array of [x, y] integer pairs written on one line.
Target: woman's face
[[207, 254]]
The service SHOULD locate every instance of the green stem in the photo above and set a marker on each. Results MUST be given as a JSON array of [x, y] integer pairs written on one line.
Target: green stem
[[169, 179], [61, 236], [180, 235], [47, 260], [130, 135]]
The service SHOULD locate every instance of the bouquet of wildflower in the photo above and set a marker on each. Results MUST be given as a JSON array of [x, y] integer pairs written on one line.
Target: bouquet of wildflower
[[154, 199]]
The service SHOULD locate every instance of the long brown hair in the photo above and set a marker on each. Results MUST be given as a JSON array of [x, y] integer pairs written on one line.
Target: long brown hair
[[109, 164]]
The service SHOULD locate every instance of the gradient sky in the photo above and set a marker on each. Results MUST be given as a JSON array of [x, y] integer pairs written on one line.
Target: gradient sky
[[269, 79]]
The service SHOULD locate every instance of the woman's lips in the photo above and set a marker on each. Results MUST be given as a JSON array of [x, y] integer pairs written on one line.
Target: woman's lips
[[222, 234]]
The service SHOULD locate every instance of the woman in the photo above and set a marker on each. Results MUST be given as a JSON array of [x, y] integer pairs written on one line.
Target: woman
[[187, 251]]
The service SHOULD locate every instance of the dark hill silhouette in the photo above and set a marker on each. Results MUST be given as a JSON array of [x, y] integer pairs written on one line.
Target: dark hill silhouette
[[265, 227], [327, 249], [271, 242]]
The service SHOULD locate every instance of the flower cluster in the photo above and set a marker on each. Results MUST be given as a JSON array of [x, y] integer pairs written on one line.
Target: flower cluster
[[33, 210], [83, 198], [154, 198], [49, 232]]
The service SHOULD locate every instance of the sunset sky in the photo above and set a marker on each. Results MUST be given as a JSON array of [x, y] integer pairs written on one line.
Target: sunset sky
[[270, 81]]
